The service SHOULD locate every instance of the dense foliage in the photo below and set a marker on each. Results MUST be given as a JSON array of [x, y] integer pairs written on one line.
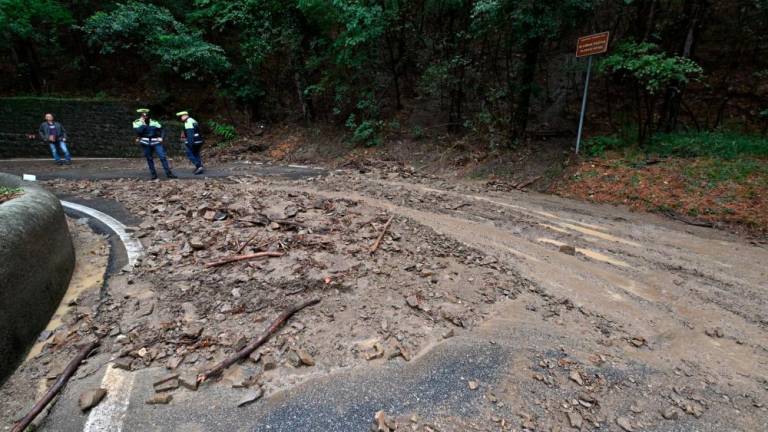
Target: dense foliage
[[503, 69]]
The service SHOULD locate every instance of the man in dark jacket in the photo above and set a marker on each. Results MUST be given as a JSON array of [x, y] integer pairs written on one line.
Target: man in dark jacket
[[53, 134], [149, 133], [193, 141]]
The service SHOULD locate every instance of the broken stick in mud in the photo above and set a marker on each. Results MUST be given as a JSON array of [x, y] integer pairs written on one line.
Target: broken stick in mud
[[247, 242], [244, 258], [376, 245], [251, 347], [56, 387]]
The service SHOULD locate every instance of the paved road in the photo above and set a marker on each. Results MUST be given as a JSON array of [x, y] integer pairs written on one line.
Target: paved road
[[106, 169], [343, 401]]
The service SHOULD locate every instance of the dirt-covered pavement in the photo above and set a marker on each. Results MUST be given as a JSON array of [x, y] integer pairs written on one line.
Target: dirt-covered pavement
[[481, 310]]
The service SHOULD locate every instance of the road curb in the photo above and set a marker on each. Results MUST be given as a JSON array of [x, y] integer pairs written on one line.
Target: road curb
[[37, 259]]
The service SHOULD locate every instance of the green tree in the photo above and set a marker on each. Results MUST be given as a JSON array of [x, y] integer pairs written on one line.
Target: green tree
[[523, 27], [651, 72], [29, 27], [152, 34]]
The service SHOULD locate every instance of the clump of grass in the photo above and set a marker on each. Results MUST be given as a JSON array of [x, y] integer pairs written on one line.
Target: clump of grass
[[713, 171], [8, 193], [722, 145]]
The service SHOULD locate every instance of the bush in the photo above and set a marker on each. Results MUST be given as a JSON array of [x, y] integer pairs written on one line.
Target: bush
[[223, 131], [597, 146]]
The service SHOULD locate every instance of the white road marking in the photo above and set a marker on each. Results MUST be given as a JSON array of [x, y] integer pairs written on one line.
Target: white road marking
[[133, 247], [109, 415], [305, 167]]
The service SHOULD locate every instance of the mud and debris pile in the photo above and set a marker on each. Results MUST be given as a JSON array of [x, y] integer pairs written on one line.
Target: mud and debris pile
[[223, 258]]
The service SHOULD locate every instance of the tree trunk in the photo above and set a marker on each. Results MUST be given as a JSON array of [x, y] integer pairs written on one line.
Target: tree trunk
[[27, 55], [531, 49], [694, 11]]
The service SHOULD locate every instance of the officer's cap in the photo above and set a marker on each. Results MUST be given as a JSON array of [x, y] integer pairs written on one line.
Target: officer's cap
[[142, 110], [182, 113]]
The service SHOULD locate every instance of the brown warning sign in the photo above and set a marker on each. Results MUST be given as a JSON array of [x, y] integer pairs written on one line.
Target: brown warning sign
[[592, 44]]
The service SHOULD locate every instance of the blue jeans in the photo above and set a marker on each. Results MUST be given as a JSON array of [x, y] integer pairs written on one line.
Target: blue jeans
[[148, 153], [64, 149], [193, 153]]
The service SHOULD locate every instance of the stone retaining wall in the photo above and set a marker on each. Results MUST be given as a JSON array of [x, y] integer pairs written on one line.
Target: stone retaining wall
[[95, 128]]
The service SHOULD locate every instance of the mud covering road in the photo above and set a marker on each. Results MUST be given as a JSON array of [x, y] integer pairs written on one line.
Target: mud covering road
[[482, 311]]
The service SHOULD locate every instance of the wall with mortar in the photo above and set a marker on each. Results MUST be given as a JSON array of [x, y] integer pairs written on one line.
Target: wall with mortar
[[36, 263], [95, 128]]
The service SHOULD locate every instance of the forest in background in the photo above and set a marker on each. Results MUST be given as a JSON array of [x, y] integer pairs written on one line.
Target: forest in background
[[502, 70]]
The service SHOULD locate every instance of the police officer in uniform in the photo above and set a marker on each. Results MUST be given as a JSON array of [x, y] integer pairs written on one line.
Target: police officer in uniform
[[149, 133], [193, 141]]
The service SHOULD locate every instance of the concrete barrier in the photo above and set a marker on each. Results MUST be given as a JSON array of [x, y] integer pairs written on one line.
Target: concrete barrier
[[36, 263]]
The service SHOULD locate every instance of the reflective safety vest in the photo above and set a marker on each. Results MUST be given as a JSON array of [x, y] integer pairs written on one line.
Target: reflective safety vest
[[151, 134], [192, 132]]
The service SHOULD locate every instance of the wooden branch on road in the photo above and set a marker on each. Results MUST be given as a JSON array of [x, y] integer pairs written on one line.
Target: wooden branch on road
[[56, 387], [251, 347], [376, 245]]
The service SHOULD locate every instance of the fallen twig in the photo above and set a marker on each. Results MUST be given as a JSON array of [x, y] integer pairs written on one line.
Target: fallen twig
[[251, 347], [688, 221], [247, 242], [56, 387], [376, 245], [243, 258], [460, 206], [525, 184]]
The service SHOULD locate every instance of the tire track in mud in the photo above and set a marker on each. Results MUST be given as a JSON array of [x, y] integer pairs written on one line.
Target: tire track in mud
[[643, 297]]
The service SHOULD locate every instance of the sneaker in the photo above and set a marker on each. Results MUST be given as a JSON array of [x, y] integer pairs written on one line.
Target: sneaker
[[171, 176], [199, 170], [153, 177], [59, 162]]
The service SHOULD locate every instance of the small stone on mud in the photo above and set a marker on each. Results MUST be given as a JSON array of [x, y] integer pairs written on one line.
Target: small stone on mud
[[168, 385], [383, 423], [197, 243], [576, 377], [575, 420], [625, 424], [123, 363], [250, 396], [239, 376], [240, 343], [188, 380], [293, 359], [159, 399], [174, 362], [305, 357], [473, 385], [268, 362], [91, 398], [715, 332], [670, 413]]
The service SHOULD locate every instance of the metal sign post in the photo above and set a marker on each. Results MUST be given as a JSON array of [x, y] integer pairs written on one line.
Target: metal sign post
[[583, 105], [588, 46]]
